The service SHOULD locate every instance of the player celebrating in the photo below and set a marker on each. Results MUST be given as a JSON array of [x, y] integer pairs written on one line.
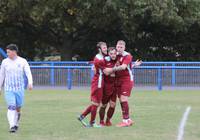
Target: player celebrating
[[12, 76], [96, 86], [109, 95], [124, 80]]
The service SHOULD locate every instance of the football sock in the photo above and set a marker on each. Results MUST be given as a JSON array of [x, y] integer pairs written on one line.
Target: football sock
[[11, 115], [125, 110], [87, 111], [17, 118], [93, 113], [110, 113], [102, 113]]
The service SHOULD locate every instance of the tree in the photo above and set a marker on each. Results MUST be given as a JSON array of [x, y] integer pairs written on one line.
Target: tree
[[153, 29]]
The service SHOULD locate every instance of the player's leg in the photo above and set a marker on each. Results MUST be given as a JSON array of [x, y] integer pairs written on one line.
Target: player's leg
[[111, 110], [94, 108], [19, 104], [96, 97], [11, 113], [124, 95], [102, 114], [84, 114], [89, 108], [105, 100]]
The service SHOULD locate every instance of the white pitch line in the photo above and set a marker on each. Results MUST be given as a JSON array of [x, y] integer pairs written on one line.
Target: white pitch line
[[182, 123]]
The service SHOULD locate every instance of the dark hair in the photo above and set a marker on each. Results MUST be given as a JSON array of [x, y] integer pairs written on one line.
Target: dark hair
[[111, 49], [12, 47]]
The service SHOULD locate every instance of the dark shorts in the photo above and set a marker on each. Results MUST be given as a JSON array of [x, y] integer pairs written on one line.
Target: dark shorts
[[107, 98]]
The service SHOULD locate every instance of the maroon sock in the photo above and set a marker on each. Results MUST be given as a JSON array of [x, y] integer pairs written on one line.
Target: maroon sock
[[87, 111], [110, 113], [93, 114], [102, 113], [125, 110]]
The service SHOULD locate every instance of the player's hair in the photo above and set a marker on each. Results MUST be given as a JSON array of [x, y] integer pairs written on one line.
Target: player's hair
[[99, 44], [12, 47], [121, 42], [111, 49]]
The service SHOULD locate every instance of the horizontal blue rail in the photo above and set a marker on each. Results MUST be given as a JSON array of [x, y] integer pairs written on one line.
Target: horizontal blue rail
[[87, 62], [58, 62], [61, 67], [70, 72], [140, 67]]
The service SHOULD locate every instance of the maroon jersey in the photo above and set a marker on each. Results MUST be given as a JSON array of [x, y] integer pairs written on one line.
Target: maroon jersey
[[97, 80], [109, 93], [125, 58], [99, 64], [109, 63]]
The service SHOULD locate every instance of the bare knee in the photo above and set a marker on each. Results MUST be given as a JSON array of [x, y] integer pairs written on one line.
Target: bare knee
[[112, 104], [103, 105], [123, 98], [96, 104]]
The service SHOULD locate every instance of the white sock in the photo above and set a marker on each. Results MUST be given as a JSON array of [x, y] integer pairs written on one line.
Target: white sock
[[11, 117], [125, 120], [16, 118]]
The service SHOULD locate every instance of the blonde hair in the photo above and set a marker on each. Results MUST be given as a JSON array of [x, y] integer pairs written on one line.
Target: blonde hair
[[121, 42], [99, 44]]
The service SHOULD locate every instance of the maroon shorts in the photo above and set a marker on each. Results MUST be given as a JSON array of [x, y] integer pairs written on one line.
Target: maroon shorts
[[96, 92], [124, 86], [96, 95], [108, 88], [109, 92]]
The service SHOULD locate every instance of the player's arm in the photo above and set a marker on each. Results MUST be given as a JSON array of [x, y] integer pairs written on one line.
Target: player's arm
[[2, 75], [125, 64], [137, 63], [28, 73]]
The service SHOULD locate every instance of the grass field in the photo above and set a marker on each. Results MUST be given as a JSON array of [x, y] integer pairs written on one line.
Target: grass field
[[51, 115]]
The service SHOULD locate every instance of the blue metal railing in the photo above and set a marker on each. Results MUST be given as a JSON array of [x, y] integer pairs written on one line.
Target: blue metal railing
[[149, 65], [77, 73], [80, 73]]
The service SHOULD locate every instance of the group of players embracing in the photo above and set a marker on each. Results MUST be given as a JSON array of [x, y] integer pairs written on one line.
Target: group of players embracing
[[112, 78]]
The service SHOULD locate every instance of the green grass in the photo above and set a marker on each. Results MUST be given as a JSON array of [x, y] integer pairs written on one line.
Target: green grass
[[51, 115]]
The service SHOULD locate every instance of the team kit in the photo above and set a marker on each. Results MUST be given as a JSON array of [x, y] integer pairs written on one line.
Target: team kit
[[112, 79]]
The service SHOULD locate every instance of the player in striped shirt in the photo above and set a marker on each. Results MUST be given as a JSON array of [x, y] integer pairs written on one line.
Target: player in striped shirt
[[13, 71]]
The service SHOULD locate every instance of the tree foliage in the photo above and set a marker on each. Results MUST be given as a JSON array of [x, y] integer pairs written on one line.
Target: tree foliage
[[153, 29]]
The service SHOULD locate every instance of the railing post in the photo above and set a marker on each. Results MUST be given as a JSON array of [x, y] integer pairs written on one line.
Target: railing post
[[159, 80], [3, 53], [173, 74], [52, 79], [69, 79], [91, 72]]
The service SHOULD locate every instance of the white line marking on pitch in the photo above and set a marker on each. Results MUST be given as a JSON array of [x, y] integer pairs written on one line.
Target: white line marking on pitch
[[182, 123]]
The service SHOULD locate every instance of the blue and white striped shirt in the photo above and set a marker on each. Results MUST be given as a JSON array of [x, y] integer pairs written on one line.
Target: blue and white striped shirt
[[13, 72]]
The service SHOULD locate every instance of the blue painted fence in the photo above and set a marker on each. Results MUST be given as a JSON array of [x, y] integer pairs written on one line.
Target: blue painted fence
[[150, 74]]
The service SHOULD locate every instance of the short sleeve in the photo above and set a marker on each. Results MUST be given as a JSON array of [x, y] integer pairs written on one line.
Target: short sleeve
[[127, 59]]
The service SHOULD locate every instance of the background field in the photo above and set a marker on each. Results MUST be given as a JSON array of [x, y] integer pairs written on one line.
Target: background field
[[51, 115]]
